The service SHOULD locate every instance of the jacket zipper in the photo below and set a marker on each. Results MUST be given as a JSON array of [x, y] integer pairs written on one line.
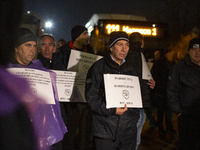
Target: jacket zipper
[[116, 128], [117, 122]]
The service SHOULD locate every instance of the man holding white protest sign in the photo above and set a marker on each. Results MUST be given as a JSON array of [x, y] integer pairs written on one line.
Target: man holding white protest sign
[[25, 49], [112, 128], [78, 111]]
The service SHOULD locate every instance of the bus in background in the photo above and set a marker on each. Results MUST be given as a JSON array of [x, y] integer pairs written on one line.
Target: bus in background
[[33, 22], [101, 25]]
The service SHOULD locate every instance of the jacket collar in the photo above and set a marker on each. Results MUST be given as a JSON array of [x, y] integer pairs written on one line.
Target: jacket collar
[[113, 64], [189, 62], [72, 46]]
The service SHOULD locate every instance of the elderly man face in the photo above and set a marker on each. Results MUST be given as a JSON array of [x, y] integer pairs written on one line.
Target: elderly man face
[[47, 47], [25, 53], [195, 55], [119, 50]]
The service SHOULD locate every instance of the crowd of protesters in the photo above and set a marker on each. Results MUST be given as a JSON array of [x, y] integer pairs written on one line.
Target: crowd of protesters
[[28, 122]]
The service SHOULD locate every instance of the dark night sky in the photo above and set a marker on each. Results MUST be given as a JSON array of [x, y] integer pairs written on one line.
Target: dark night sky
[[65, 14]]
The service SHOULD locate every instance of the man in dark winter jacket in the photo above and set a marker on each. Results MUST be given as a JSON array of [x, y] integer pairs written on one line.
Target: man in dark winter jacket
[[135, 59], [80, 37], [46, 53], [78, 113], [49, 59], [184, 97], [160, 72], [113, 128]]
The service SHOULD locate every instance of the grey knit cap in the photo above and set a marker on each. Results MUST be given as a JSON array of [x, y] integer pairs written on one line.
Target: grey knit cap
[[24, 35]]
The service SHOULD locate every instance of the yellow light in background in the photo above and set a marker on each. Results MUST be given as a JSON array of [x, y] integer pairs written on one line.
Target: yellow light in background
[[154, 31], [110, 28], [144, 31]]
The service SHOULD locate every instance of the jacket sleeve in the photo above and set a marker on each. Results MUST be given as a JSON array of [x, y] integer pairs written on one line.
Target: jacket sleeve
[[94, 93], [145, 91], [173, 90], [155, 71]]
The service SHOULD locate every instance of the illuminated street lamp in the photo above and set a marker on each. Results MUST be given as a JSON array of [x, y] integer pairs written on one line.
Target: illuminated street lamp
[[48, 24]]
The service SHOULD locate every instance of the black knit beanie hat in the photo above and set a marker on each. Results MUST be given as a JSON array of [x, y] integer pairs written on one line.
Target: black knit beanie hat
[[24, 35], [194, 43], [77, 31], [116, 36]]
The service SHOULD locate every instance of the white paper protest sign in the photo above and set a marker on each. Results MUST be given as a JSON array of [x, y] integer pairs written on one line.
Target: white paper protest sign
[[80, 62], [146, 74], [121, 90], [39, 81], [65, 84]]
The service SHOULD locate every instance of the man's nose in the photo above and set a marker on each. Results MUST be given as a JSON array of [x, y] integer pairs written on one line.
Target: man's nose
[[198, 51], [125, 47], [33, 49], [47, 47]]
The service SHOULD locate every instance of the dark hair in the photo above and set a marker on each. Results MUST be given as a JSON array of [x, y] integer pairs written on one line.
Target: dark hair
[[62, 41], [10, 16], [167, 50], [135, 37]]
